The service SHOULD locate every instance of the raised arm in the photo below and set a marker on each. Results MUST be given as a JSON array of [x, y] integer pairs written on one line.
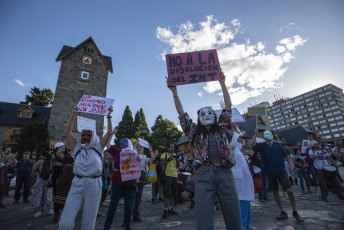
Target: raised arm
[[68, 130], [107, 136], [226, 97], [177, 102], [108, 145], [60, 151], [253, 140]]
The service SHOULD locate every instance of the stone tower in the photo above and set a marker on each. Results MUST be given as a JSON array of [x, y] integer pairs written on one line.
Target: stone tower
[[84, 70]]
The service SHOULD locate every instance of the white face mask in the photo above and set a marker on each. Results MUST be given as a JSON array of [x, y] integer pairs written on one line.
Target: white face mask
[[268, 135], [206, 116]]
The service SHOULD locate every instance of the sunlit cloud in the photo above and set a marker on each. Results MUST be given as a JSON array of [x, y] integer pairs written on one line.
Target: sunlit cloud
[[20, 83], [250, 70]]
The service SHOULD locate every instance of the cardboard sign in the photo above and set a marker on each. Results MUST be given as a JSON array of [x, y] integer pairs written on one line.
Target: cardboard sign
[[94, 104], [305, 145], [129, 165], [143, 143], [193, 67], [236, 116], [85, 123]]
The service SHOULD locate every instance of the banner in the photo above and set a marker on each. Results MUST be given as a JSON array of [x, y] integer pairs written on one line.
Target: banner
[[94, 104], [193, 67], [236, 116], [305, 145], [143, 143], [85, 123], [129, 165]]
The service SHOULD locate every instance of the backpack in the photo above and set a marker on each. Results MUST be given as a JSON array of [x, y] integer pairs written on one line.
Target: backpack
[[310, 161], [45, 171], [300, 161]]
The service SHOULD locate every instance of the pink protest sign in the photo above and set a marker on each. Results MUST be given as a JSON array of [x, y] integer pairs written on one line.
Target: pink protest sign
[[94, 104], [130, 166], [193, 67]]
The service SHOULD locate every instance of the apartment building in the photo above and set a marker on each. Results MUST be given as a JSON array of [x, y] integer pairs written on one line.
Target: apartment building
[[320, 110]]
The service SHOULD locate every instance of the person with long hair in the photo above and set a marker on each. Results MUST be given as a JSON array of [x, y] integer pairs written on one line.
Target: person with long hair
[[211, 145], [87, 184]]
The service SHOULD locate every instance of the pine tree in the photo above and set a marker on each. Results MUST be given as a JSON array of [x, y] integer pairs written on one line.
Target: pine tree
[[125, 129], [140, 122]]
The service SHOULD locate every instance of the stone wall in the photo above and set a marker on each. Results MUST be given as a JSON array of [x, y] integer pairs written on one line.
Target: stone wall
[[70, 87]]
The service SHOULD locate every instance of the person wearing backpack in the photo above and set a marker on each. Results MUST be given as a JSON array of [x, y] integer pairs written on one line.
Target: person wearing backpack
[[42, 167]]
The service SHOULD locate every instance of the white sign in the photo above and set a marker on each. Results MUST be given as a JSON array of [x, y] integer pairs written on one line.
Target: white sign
[[236, 116], [85, 123], [143, 143], [94, 104], [305, 145]]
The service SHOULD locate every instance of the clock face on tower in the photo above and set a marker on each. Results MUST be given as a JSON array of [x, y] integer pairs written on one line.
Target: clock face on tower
[[87, 59]]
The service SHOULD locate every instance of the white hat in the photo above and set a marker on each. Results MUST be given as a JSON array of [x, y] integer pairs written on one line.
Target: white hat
[[59, 144], [313, 143]]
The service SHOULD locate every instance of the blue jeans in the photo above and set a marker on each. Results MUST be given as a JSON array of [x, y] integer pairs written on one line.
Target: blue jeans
[[262, 194], [128, 205], [303, 176]]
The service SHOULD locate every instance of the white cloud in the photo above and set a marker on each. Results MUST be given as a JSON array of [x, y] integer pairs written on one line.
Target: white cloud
[[288, 27], [250, 70], [20, 83]]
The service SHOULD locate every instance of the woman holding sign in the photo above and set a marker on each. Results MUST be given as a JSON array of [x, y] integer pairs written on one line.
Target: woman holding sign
[[120, 187], [86, 185], [214, 159]]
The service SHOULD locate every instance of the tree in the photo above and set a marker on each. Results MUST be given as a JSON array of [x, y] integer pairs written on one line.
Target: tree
[[39, 97], [164, 132], [32, 136], [125, 129], [140, 122]]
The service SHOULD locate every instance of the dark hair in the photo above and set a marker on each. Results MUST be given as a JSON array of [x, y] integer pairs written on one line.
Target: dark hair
[[200, 129], [45, 154]]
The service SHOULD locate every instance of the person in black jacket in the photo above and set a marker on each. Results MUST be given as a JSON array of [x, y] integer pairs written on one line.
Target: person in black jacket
[[23, 176]]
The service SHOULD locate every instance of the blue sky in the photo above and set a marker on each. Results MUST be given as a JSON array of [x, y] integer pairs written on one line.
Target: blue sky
[[265, 48]]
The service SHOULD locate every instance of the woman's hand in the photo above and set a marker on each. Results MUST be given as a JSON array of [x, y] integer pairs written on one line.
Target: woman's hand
[[110, 110], [222, 77], [169, 85]]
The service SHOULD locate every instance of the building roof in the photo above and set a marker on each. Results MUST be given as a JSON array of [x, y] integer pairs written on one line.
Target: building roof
[[9, 114], [250, 124], [66, 50], [294, 135]]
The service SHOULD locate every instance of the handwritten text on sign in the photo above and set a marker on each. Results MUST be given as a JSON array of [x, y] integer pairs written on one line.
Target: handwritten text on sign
[[130, 166], [193, 67], [94, 104]]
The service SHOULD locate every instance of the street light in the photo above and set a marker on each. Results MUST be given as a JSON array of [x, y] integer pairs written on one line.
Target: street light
[[143, 132]]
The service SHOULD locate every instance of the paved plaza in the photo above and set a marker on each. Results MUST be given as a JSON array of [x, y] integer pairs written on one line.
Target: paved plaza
[[317, 214]]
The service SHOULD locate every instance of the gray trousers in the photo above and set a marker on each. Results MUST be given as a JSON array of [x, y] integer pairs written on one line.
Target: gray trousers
[[210, 181]]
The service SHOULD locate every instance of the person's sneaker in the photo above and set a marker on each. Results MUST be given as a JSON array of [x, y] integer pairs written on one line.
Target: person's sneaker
[[137, 219], [297, 217], [26, 201], [165, 214], [50, 212], [172, 212], [103, 203], [282, 216], [36, 214], [100, 214], [251, 228], [16, 202]]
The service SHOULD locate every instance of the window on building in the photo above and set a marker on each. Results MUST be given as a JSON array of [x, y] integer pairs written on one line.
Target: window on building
[[339, 117], [336, 135], [330, 119]]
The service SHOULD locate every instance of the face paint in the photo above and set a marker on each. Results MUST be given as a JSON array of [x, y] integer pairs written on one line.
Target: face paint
[[123, 143], [206, 116], [268, 135], [86, 136]]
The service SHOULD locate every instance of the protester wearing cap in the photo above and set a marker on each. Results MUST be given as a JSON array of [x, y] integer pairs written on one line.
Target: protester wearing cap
[[321, 160], [86, 185], [272, 156]]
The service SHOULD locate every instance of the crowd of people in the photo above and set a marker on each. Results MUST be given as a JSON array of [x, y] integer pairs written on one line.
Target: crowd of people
[[218, 175]]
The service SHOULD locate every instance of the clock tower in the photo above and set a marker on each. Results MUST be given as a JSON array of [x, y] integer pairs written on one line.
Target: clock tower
[[84, 70]]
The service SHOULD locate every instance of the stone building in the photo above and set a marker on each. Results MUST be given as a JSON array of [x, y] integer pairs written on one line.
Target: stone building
[[84, 70]]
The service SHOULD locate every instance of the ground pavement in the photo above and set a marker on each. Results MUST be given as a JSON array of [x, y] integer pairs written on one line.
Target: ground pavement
[[316, 213]]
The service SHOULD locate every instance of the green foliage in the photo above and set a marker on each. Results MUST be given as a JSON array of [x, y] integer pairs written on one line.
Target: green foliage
[[39, 97], [125, 129], [164, 132], [32, 136], [140, 122]]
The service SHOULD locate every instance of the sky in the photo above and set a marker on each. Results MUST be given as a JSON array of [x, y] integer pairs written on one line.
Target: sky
[[266, 48]]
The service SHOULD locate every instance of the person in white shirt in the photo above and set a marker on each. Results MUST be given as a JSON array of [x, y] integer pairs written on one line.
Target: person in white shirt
[[87, 184], [321, 159], [243, 181]]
